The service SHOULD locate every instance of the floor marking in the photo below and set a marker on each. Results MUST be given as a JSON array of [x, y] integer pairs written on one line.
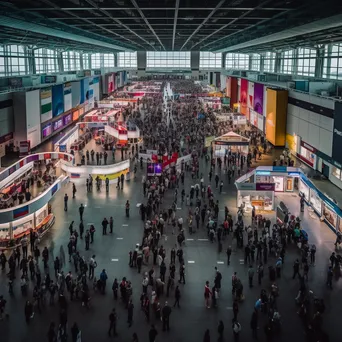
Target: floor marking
[[125, 225], [179, 208], [119, 238], [229, 308], [242, 260], [191, 262], [220, 262], [223, 192], [202, 239], [115, 259], [97, 207], [89, 224], [189, 239]]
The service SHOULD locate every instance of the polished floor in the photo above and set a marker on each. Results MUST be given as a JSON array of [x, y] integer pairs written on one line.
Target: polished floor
[[190, 321]]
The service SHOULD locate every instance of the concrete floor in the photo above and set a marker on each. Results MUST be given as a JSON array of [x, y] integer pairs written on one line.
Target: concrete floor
[[190, 321]]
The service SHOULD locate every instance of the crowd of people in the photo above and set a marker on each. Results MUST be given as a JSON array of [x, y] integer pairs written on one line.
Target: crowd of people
[[163, 271]]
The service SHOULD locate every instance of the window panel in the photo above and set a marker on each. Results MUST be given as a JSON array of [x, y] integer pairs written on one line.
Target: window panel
[[238, 61], [168, 59], [127, 59], [210, 60]]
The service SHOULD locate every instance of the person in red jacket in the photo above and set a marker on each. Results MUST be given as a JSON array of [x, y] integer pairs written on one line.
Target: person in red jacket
[[207, 294]]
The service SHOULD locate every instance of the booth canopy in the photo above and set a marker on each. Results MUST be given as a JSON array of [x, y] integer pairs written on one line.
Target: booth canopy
[[231, 138]]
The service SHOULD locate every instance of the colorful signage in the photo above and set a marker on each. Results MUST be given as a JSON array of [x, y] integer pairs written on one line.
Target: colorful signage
[[47, 130], [57, 125], [243, 96], [67, 119], [265, 186], [258, 98], [57, 100]]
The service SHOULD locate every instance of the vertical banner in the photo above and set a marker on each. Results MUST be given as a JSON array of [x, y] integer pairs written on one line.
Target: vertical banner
[[259, 98], [84, 89], [114, 81], [276, 114], [110, 83], [243, 96], [67, 97], [337, 136], [218, 80], [57, 100], [45, 104], [250, 99], [228, 87], [76, 94]]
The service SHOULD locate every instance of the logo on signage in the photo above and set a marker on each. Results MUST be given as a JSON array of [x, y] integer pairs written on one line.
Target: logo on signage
[[308, 147], [338, 132]]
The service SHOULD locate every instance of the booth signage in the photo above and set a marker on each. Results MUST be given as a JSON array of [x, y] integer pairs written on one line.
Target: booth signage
[[294, 174], [307, 146], [337, 136], [265, 186], [246, 186], [279, 168]]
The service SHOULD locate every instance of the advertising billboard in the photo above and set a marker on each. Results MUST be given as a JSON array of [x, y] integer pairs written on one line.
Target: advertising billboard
[[45, 104], [84, 90], [250, 98], [67, 119], [337, 135], [258, 98], [271, 115], [57, 100], [243, 96], [57, 125], [110, 83], [228, 87], [46, 131]]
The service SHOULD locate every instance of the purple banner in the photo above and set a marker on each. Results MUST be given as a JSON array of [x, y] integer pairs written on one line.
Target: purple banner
[[259, 98], [265, 186], [67, 119]]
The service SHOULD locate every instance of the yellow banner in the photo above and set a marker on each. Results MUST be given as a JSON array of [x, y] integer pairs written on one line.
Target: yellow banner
[[111, 176]]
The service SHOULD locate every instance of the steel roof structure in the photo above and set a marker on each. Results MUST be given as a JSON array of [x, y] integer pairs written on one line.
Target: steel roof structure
[[131, 25]]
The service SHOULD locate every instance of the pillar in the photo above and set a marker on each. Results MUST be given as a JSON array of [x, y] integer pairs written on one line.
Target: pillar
[[116, 64], [194, 64], [320, 61], [277, 63], [31, 62], [141, 63], [224, 55], [60, 61]]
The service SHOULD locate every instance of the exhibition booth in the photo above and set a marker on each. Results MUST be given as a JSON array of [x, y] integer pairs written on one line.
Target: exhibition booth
[[259, 185], [17, 221], [230, 142]]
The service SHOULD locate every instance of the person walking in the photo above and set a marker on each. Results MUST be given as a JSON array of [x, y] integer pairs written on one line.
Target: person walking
[[104, 226], [165, 314], [111, 224], [75, 333], [236, 330], [250, 275], [81, 229], [73, 190], [229, 253], [254, 324], [92, 266], [66, 198], [177, 296], [130, 308], [220, 330], [152, 334], [206, 337], [127, 207], [207, 294], [295, 269], [112, 323], [81, 211]]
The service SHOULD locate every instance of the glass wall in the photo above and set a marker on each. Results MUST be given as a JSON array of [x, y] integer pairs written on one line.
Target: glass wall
[[269, 61], [306, 62], [256, 62], [168, 59], [238, 61], [332, 66], [287, 58], [108, 60], [96, 61], [127, 60], [45, 60], [85, 58], [210, 60]]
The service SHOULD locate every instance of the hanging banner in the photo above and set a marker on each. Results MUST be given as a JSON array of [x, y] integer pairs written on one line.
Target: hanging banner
[[243, 96], [259, 98]]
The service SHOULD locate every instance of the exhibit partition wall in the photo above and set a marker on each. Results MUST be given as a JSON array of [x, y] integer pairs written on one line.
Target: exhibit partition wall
[[276, 113], [76, 93], [337, 136], [250, 97], [232, 90], [67, 97], [45, 104], [33, 117], [243, 96]]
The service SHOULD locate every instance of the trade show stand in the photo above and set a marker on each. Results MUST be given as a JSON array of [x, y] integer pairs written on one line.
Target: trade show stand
[[266, 179], [79, 174]]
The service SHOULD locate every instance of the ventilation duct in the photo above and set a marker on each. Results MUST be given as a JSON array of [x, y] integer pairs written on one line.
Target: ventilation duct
[[31, 27]]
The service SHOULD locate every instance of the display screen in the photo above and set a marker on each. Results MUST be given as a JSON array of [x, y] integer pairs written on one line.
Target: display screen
[[46, 131], [67, 119], [57, 124]]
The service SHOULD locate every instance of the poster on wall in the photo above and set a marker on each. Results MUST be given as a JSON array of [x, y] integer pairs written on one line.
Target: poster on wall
[[45, 104], [110, 83], [75, 93], [250, 98], [84, 90], [57, 100], [67, 97], [46, 130], [243, 96], [258, 98]]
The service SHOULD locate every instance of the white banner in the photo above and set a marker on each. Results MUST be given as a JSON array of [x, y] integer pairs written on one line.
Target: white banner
[[145, 156]]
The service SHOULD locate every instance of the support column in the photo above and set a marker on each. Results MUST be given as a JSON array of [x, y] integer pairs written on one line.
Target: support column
[[320, 61], [250, 61], [141, 63], [262, 62], [224, 55], [277, 63], [194, 64], [60, 61], [31, 62], [295, 62], [81, 61], [116, 60]]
